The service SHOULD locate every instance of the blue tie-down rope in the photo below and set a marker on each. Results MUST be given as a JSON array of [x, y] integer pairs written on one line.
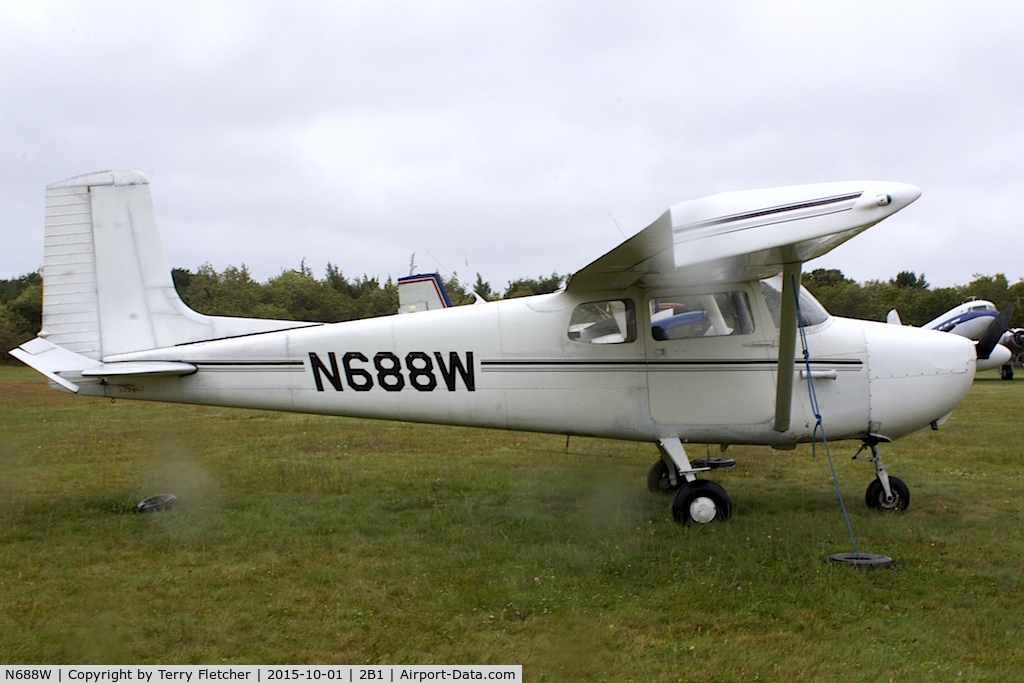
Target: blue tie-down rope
[[819, 425]]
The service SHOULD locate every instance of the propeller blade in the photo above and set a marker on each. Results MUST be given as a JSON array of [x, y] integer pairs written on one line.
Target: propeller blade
[[995, 331]]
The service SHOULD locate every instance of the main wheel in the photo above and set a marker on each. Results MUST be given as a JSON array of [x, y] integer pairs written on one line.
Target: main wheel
[[701, 502], [658, 481], [875, 496], [1006, 371]]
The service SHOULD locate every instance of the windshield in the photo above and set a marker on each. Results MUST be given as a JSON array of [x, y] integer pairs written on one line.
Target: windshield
[[811, 312]]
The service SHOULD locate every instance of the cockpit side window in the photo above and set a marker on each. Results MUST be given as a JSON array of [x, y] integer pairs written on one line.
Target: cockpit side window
[[811, 312], [604, 322], [702, 315]]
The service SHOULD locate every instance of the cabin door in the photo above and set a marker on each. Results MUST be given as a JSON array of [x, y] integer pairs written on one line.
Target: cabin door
[[711, 359]]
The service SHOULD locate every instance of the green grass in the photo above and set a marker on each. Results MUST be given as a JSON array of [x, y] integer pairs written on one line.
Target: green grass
[[317, 540]]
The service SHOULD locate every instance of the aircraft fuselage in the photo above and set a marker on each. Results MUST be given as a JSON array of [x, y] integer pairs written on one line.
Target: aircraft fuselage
[[522, 364]]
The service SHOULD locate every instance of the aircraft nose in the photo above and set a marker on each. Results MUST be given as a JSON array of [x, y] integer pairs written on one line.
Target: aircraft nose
[[916, 377]]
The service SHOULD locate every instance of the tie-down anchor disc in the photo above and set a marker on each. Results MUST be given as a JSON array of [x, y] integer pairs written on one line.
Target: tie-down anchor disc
[[862, 561], [159, 503]]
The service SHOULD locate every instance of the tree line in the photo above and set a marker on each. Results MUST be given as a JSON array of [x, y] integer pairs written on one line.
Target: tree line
[[299, 295], [910, 294], [291, 295]]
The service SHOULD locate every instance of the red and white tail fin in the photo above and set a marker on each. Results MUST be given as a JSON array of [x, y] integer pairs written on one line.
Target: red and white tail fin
[[424, 292]]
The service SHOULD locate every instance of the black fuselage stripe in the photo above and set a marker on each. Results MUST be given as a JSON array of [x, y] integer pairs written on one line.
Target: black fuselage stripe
[[552, 364], [244, 363], [298, 326], [617, 364]]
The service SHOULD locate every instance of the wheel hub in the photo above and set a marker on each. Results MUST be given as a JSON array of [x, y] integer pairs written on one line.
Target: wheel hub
[[703, 510]]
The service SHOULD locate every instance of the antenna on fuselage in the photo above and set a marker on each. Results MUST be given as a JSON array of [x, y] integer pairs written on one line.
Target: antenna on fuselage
[[621, 231], [477, 297]]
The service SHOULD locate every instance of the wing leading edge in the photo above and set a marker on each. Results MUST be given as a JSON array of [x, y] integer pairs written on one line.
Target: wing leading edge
[[744, 236]]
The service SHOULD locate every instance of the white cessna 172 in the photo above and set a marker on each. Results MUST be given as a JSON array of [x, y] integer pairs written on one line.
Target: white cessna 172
[[683, 334]]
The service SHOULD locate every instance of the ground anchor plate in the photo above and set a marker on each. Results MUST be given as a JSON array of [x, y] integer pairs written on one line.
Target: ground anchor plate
[[862, 561]]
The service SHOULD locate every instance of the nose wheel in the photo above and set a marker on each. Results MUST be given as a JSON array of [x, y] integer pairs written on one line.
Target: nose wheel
[[877, 500], [884, 493]]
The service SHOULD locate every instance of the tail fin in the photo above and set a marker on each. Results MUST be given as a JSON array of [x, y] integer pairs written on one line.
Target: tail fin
[[422, 293], [107, 288]]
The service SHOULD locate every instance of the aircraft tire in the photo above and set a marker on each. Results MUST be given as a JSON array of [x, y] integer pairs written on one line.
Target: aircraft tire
[[875, 495], [701, 502], [1006, 371], [657, 479]]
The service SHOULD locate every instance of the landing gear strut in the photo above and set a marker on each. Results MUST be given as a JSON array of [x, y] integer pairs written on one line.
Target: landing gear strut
[[696, 501], [885, 492]]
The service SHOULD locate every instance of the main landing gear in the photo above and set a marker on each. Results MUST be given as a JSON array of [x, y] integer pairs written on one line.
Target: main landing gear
[[884, 492], [697, 501]]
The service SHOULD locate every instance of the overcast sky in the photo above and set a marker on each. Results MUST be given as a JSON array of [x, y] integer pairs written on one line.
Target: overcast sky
[[512, 139]]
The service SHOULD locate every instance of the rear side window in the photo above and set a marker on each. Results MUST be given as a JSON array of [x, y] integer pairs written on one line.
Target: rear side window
[[703, 315]]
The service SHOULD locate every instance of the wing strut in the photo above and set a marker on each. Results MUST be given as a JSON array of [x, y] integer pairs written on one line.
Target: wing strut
[[787, 345]]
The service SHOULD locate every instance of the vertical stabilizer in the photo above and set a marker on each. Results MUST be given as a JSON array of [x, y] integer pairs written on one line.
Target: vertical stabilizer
[[107, 287], [94, 286], [423, 292]]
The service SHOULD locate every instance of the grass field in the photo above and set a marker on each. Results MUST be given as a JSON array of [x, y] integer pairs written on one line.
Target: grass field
[[323, 540]]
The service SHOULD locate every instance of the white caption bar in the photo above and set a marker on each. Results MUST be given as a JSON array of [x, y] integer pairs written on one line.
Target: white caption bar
[[392, 673]]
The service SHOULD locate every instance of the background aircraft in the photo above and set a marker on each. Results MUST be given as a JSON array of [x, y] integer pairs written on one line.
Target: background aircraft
[[423, 292], [686, 333], [979, 320]]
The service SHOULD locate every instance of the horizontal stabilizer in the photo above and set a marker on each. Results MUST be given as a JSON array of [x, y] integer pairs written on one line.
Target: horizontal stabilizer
[[54, 361], [50, 359], [139, 368]]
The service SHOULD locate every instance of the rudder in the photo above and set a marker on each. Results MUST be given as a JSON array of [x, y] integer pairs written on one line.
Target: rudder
[[107, 287]]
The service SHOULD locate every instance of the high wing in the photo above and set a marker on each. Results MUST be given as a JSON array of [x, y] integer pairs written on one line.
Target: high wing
[[744, 236], [747, 236]]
